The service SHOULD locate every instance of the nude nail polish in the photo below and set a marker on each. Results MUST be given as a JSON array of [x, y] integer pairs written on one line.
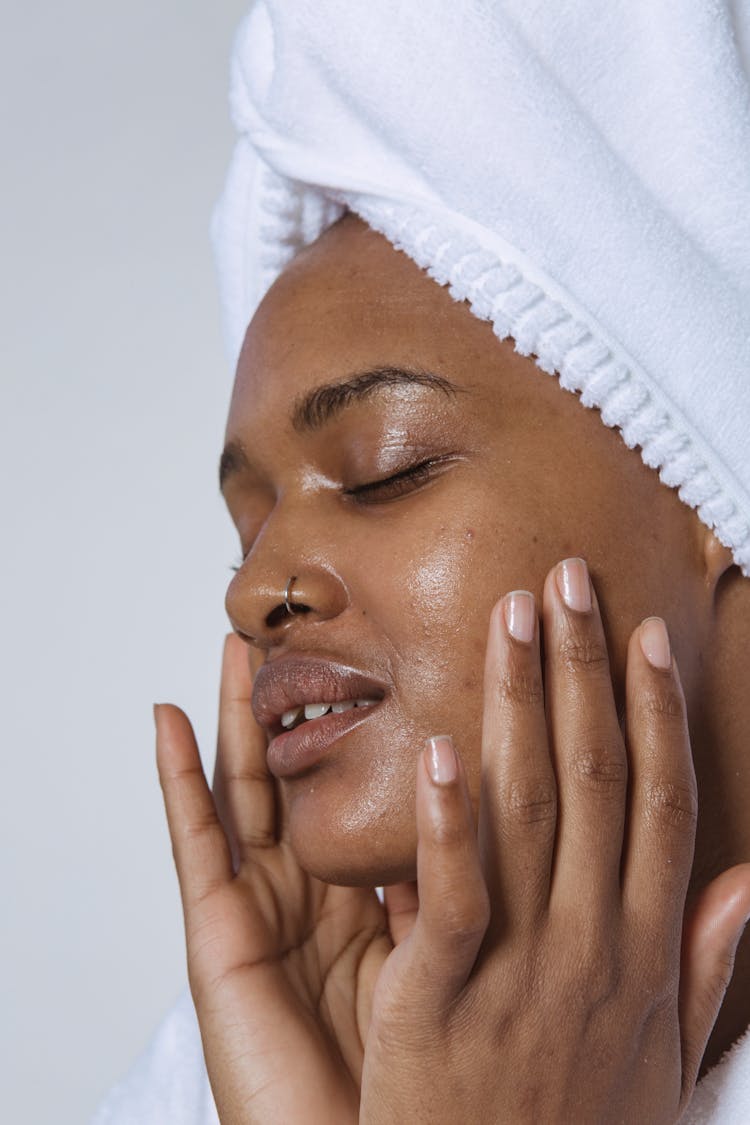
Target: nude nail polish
[[520, 614], [573, 583], [654, 640], [441, 759]]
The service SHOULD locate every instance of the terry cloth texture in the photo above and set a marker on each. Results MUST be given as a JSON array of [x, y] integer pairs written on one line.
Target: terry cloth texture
[[169, 1084], [579, 172]]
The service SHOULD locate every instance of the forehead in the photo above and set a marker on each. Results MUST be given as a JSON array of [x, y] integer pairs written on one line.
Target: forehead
[[347, 302], [351, 302]]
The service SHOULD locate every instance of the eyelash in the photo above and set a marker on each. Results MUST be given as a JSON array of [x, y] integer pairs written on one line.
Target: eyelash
[[399, 484]]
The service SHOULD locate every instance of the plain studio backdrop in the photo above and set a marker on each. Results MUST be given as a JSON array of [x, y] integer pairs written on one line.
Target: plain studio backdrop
[[115, 544]]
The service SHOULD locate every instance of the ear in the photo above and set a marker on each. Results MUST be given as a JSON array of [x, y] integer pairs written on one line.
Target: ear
[[717, 559]]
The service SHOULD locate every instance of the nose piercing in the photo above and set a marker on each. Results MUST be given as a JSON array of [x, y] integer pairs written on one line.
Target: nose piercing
[[288, 605]]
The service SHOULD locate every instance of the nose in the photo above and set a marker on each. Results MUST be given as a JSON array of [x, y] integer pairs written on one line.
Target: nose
[[263, 604]]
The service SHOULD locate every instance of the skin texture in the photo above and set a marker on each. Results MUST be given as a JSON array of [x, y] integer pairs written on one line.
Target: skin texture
[[402, 588], [537, 478]]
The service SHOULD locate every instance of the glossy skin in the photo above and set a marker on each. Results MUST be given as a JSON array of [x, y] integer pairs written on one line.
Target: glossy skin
[[403, 589], [399, 583]]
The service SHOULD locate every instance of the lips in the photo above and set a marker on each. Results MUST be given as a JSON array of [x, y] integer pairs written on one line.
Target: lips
[[291, 682]]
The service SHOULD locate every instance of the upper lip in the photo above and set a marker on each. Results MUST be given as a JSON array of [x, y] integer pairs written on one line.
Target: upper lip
[[292, 681]]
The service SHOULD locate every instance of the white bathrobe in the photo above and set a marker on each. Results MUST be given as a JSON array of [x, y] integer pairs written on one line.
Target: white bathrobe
[[168, 1085]]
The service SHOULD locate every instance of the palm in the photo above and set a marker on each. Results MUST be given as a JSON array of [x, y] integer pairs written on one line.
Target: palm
[[282, 966], [318, 949]]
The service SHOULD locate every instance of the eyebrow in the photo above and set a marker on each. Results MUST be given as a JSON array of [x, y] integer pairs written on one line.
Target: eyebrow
[[313, 410], [233, 460], [319, 406]]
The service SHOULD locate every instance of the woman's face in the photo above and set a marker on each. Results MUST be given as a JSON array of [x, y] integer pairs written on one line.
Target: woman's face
[[499, 474]]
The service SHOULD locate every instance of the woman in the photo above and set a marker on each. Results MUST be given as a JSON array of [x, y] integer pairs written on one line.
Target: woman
[[442, 549]]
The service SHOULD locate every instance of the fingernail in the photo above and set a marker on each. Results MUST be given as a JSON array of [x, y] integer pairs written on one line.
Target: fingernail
[[655, 642], [156, 711], [441, 759], [573, 584], [520, 615]]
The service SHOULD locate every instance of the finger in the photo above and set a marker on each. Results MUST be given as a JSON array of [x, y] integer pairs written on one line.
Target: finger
[[710, 940], [518, 799], [587, 744], [243, 787], [660, 840], [453, 901], [200, 847], [401, 904]]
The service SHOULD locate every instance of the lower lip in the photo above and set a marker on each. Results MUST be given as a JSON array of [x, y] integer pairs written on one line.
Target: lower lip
[[297, 750]]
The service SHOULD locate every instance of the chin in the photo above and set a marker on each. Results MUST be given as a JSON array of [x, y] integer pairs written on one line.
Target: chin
[[358, 837]]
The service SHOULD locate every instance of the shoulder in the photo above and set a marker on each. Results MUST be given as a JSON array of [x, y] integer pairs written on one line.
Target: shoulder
[[168, 1082]]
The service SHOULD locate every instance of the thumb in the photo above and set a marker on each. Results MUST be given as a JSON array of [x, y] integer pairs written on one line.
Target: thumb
[[710, 938]]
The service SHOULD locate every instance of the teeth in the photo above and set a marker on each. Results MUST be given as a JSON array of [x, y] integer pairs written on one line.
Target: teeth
[[316, 710]]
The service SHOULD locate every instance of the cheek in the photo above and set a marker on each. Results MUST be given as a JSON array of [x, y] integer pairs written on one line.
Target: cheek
[[440, 591], [420, 609], [425, 598], [433, 590]]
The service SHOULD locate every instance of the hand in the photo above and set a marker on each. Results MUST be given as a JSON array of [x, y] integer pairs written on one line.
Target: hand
[[542, 978], [282, 967]]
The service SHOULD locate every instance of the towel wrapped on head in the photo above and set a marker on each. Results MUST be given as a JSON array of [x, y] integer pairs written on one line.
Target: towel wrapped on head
[[578, 172]]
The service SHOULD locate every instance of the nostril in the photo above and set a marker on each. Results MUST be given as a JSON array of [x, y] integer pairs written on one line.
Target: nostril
[[280, 613]]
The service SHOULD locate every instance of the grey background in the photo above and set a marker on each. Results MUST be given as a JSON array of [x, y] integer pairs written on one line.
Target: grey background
[[115, 545]]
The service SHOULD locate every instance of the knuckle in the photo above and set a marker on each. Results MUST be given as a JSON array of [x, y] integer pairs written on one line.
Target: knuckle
[[200, 828], [243, 775], [665, 705], [518, 688], [531, 800], [465, 922], [580, 654], [599, 766], [181, 777], [593, 972], [448, 832], [673, 804], [256, 839]]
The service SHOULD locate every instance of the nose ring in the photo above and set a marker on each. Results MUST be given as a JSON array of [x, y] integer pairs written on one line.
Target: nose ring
[[288, 605]]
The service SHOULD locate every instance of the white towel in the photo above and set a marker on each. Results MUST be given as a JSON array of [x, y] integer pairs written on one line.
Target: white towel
[[723, 1096], [169, 1085], [578, 171]]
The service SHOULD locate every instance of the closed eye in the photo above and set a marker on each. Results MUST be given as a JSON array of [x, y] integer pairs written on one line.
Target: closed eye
[[392, 487], [399, 484]]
